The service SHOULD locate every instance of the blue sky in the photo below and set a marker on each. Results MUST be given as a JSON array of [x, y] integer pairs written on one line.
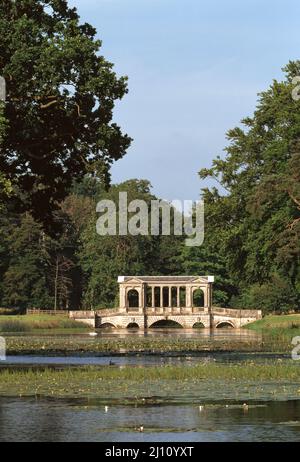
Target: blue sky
[[195, 68]]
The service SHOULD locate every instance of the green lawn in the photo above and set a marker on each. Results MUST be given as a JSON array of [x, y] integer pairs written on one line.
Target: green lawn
[[291, 321], [278, 330], [27, 323]]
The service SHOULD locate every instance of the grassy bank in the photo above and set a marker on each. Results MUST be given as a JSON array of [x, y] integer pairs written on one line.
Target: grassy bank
[[278, 329], [232, 381], [288, 322], [28, 323]]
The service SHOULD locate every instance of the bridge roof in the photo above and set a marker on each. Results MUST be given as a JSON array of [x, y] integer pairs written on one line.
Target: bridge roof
[[166, 279]]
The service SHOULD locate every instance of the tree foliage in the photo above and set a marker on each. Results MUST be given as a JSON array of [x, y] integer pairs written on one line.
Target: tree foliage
[[256, 222], [60, 99]]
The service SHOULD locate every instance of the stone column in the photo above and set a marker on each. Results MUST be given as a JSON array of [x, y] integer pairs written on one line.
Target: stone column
[[209, 298], [153, 297], [121, 296], [142, 298], [209, 305], [178, 297], [188, 291], [206, 297], [126, 290], [161, 297]]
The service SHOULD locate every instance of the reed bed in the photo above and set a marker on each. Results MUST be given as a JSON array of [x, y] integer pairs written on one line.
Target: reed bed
[[167, 383]]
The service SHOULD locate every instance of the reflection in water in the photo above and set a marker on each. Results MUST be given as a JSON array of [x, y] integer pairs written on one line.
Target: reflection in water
[[79, 420], [218, 334], [214, 334], [235, 335]]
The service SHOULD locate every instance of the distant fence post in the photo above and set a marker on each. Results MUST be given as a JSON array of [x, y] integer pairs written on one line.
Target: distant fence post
[[49, 312]]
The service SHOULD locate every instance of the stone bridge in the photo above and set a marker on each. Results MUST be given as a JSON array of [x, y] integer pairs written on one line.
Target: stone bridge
[[151, 301], [180, 317]]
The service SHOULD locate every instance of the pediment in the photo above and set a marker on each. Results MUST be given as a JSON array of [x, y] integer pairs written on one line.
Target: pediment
[[199, 280], [132, 281]]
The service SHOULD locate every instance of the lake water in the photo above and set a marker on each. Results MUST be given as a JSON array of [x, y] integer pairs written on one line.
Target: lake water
[[81, 420], [215, 334], [140, 359], [217, 416]]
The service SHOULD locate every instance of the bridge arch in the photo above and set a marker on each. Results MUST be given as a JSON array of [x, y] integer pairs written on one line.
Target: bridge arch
[[133, 325], [165, 323], [107, 325], [198, 325], [225, 324]]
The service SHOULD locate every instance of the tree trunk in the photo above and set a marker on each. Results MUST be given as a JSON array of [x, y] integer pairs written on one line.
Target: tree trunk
[[56, 285]]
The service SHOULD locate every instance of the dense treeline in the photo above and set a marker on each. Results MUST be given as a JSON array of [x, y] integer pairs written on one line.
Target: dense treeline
[[57, 143], [78, 267]]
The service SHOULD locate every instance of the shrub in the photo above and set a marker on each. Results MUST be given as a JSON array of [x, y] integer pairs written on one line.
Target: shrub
[[9, 311], [276, 296], [13, 326]]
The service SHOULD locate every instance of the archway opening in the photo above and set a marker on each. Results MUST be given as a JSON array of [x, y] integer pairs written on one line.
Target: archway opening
[[174, 301], [225, 325], [165, 297], [182, 297], [166, 324], [157, 297], [198, 298], [133, 298], [198, 325], [149, 301], [107, 325], [133, 325]]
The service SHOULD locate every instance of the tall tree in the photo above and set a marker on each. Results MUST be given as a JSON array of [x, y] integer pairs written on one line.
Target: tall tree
[[25, 279], [256, 222], [5, 184], [60, 254], [60, 99]]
